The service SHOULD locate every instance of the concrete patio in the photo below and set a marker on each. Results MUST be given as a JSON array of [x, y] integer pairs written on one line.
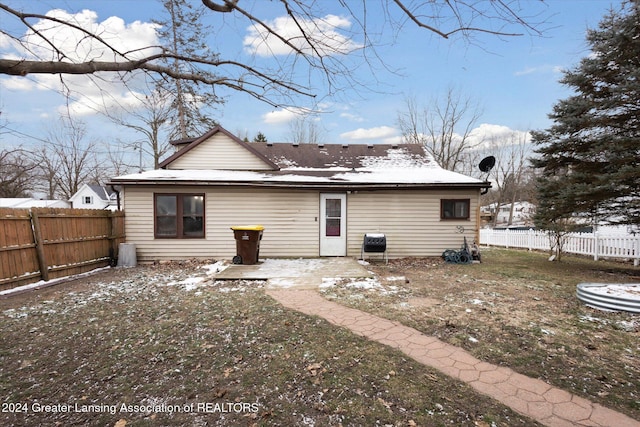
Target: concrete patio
[[306, 273]]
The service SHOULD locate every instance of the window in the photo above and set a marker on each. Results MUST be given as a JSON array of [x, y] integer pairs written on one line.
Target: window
[[179, 216], [87, 200], [454, 209], [333, 215]]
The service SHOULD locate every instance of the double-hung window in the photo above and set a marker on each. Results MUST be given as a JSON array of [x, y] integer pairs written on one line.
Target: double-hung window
[[454, 208], [179, 216]]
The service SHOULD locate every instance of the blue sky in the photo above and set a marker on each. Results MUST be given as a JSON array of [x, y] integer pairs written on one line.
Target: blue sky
[[514, 79]]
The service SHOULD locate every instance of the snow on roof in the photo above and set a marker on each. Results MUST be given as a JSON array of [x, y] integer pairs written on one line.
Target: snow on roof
[[394, 175], [329, 164], [27, 202]]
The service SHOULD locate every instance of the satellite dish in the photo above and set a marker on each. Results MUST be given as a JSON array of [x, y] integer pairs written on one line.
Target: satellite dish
[[487, 164]]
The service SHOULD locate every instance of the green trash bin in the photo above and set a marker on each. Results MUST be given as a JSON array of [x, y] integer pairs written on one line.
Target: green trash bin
[[247, 243]]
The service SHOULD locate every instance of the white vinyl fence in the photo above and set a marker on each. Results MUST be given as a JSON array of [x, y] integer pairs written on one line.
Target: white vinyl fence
[[591, 244]]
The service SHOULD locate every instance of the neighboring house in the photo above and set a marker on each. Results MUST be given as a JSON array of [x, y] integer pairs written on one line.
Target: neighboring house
[[523, 213], [313, 200], [93, 196], [28, 202]]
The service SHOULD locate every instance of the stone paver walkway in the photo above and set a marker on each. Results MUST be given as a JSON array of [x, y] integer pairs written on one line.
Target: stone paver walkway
[[534, 398]]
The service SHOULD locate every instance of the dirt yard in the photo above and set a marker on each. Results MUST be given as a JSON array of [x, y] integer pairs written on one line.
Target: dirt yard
[[169, 345]]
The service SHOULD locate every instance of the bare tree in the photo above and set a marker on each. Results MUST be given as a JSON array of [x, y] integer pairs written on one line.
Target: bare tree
[[444, 128], [151, 118], [66, 160], [119, 162], [16, 173], [317, 43], [510, 173], [304, 129]]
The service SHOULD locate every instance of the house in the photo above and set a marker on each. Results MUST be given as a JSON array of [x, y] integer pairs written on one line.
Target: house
[[94, 196], [28, 202], [313, 200], [523, 213]]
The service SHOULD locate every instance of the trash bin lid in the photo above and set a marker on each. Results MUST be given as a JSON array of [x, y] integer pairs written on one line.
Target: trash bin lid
[[247, 227]]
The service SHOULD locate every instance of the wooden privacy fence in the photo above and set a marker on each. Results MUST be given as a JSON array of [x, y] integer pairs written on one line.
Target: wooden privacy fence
[[48, 243], [596, 245]]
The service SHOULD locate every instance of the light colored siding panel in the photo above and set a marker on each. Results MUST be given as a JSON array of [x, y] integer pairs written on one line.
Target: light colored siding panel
[[219, 152], [410, 220], [289, 218]]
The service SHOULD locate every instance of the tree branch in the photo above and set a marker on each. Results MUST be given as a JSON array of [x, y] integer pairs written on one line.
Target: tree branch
[[228, 6]]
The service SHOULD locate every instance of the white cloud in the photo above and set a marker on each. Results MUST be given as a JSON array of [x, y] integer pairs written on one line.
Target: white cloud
[[88, 93], [136, 37], [278, 117], [380, 132], [91, 103], [352, 117], [489, 135], [528, 70], [541, 69], [486, 136], [324, 33], [17, 83], [285, 115]]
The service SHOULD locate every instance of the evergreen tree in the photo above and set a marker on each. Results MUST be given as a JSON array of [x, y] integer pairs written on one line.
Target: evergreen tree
[[183, 34], [260, 137], [590, 157]]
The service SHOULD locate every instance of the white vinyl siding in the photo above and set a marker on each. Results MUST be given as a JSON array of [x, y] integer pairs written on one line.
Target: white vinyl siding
[[410, 220], [219, 152]]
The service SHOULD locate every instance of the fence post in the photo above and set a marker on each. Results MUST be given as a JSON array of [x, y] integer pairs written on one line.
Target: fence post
[[595, 246], [37, 236]]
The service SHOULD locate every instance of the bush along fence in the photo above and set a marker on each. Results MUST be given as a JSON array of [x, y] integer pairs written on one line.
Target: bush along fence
[[591, 244], [46, 243]]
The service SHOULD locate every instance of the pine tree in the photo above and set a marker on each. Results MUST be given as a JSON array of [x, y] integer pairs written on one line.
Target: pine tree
[[260, 137], [183, 33], [590, 157]]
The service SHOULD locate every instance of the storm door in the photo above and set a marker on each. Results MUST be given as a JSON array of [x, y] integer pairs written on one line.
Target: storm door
[[333, 224]]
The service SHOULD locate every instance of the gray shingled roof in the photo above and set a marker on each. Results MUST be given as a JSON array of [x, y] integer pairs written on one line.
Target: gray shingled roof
[[313, 156]]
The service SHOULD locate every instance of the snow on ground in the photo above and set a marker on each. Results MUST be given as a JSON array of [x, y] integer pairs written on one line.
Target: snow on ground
[[43, 283], [367, 284], [290, 267], [629, 325], [215, 268], [630, 291], [145, 283]]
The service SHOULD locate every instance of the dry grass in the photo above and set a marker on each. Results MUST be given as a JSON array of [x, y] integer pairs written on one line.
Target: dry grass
[[519, 310], [168, 338]]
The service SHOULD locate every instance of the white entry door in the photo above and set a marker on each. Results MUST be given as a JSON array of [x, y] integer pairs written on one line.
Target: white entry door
[[333, 224]]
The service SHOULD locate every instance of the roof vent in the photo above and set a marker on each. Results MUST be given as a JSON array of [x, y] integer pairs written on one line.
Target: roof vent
[[320, 144], [269, 144], [394, 145], [345, 146], [295, 144], [370, 145]]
